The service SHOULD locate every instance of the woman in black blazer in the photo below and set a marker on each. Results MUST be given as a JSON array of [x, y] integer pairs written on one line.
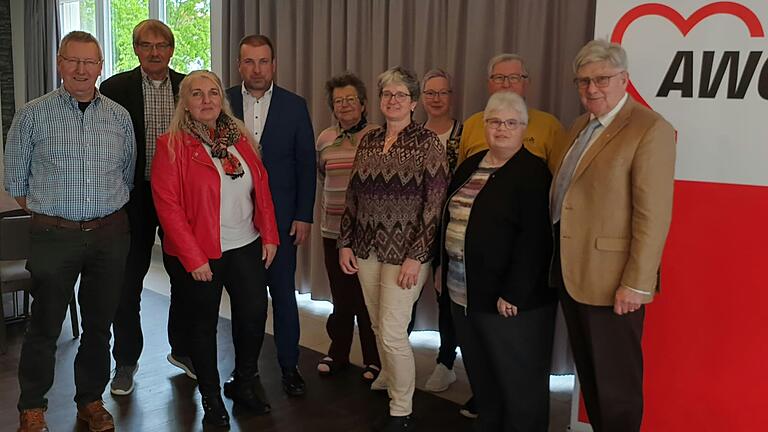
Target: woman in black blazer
[[496, 247]]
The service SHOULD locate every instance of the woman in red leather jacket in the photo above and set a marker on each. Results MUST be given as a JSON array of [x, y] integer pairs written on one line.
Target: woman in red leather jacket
[[213, 201]]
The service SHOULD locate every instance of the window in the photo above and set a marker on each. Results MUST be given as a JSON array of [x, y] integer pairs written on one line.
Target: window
[[112, 22]]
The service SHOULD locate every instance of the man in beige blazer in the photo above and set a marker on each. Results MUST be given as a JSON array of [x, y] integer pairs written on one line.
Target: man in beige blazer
[[611, 205]]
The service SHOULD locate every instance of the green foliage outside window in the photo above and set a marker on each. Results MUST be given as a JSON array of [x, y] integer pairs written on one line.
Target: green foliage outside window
[[188, 19], [125, 14]]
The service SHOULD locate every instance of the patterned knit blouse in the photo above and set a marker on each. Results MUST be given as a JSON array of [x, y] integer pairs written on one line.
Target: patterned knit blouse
[[394, 199], [334, 164]]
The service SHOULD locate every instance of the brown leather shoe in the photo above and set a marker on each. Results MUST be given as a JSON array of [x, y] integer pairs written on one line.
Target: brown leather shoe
[[97, 417], [32, 420]]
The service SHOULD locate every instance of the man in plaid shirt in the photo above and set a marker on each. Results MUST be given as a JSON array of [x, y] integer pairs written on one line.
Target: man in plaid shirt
[[69, 161], [149, 93]]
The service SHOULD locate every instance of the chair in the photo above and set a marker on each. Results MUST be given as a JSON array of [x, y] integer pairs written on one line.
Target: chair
[[14, 277]]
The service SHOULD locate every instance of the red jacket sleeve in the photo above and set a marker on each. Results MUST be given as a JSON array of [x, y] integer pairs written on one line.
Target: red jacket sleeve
[[168, 195]]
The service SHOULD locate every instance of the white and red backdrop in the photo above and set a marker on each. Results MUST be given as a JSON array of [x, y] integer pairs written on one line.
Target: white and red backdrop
[[704, 66]]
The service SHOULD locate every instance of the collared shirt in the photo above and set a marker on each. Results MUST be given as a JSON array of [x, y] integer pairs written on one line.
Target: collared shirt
[[605, 121], [159, 105], [68, 163], [255, 110]]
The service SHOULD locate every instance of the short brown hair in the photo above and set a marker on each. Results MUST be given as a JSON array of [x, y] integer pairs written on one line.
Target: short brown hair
[[80, 36], [344, 80], [256, 41], [153, 26]]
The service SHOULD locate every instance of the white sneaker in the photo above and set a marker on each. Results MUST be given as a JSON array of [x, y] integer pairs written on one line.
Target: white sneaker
[[441, 379], [380, 383]]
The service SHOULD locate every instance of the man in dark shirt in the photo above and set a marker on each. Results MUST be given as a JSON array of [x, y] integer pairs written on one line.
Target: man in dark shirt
[[149, 93]]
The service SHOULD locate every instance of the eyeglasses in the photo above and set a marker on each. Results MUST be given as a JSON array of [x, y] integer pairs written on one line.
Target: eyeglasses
[[599, 81], [349, 100], [431, 94], [399, 96], [73, 62], [511, 124], [148, 47], [512, 78]]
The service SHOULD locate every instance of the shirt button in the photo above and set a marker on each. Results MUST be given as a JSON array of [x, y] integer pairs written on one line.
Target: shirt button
[[87, 200]]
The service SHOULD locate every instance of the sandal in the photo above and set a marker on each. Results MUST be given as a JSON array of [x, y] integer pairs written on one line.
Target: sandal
[[331, 365], [370, 373]]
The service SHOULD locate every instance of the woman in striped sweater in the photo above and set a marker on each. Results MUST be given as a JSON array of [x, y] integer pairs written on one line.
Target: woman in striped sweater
[[336, 148]]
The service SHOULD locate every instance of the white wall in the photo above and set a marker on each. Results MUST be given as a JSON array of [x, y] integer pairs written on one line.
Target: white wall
[[17, 43]]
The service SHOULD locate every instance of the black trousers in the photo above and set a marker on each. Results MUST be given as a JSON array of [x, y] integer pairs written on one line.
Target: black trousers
[[446, 354], [241, 272], [508, 362], [57, 257], [348, 304], [609, 357], [448, 343], [129, 339]]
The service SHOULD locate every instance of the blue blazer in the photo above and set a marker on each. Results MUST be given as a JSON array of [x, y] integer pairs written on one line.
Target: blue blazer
[[288, 152]]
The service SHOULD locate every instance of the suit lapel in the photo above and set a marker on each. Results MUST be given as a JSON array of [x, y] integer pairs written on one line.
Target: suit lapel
[[274, 108], [618, 123]]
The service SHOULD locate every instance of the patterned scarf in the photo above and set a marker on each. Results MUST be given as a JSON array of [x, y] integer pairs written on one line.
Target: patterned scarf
[[225, 135], [350, 133]]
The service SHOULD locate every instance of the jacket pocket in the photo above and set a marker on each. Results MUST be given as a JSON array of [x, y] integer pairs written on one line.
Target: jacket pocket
[[612, 244]]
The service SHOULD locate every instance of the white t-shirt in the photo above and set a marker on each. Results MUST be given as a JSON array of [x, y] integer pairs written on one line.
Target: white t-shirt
[[236, 217]]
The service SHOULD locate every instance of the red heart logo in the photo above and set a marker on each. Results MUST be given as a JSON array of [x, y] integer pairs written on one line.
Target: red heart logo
[[684, 24]]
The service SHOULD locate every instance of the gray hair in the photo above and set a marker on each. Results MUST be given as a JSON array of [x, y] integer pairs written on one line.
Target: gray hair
[[601, 50], [400, 75], [82, 37], [505, 57], [437, 73], [501, 101]]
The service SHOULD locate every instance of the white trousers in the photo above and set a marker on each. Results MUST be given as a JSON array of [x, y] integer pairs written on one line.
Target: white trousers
[[389, 307]]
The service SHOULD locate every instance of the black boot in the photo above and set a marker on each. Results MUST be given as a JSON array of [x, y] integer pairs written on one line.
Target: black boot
[[293, 383], [395, 424], [215, 412], [245, 392]]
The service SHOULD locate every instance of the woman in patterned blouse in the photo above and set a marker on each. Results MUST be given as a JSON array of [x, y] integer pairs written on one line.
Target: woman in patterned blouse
[[336, 148], [388, 230]]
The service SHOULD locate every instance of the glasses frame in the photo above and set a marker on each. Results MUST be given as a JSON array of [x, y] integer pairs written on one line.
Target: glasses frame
[[512, 78], [431, 94], [601, 81], [148, 47], [510, 124], [75, 62], [400, 97], [349, 100]]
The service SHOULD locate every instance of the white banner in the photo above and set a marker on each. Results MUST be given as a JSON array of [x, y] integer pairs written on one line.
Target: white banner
[[704, 67]]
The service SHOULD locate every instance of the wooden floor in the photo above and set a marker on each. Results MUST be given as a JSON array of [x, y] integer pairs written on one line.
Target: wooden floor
[[164, 400]]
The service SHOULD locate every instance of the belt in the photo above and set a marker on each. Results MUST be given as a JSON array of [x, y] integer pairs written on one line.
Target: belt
[[88, 225]]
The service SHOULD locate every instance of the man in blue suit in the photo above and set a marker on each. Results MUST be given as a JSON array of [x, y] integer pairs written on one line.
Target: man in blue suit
[[280, 122]]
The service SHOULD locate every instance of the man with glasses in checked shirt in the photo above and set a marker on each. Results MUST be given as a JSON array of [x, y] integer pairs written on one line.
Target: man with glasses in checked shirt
[[69, 161]]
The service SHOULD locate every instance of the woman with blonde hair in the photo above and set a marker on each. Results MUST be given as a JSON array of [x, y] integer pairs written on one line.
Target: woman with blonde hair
[[215, 208]]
